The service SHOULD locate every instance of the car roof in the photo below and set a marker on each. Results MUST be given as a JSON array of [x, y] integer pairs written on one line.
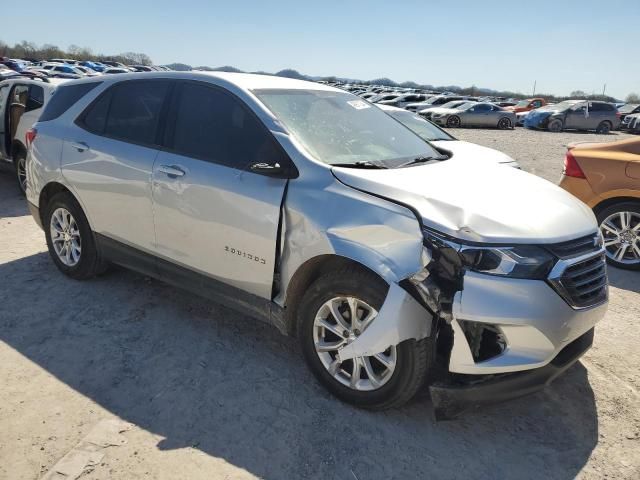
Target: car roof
[[390, 108], [245, 81], [53, 82]]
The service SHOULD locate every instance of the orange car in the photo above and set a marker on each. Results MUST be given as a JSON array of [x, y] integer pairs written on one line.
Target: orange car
[[606, 176], [527, 105]]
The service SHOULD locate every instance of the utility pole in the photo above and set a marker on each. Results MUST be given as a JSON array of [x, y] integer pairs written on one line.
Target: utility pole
[[603, 89], [534, 88]]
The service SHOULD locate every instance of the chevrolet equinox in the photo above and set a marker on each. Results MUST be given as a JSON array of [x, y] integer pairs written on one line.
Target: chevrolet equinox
[[311, 209]]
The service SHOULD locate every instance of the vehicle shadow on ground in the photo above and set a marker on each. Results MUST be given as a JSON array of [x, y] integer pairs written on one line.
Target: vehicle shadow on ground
[[13, 202], [202, 376], [624, 279]]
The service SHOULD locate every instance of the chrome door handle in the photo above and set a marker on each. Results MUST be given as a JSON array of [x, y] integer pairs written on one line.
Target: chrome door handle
[[172, 171], [80, 146]]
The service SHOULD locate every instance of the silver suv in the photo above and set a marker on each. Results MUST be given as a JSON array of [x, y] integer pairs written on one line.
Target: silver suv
[[313, 210]]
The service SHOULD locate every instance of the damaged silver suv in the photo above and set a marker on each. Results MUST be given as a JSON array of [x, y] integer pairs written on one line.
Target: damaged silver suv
[[313, 210]]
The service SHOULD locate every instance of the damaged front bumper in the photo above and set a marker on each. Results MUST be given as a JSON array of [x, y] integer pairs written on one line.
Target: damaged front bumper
[[454, 398]]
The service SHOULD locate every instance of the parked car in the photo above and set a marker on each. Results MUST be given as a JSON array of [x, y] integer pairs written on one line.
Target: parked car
[[627, 109], [633, 123], [63, 69], [476, 115], [463, 151], [21, 103], [95, 66], [384, 97], [429, 111], [436, 101], [606, 176], [111, 63], [527, 105], [575, 115], [113, 70], [87, 71], [308, 207], [140, 68], [404, 100]]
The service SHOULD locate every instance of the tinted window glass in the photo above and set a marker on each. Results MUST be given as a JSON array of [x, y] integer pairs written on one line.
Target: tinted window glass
[[483, 107], [36, 98], [134, 114], [63, 98], [213, 125], [96, 117]]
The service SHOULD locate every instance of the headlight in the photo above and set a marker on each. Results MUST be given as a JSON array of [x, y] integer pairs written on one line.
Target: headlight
[[518, 261], [522, 261]]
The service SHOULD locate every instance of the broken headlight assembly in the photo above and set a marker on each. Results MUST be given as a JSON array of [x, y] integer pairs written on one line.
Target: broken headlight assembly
[[519, 261]]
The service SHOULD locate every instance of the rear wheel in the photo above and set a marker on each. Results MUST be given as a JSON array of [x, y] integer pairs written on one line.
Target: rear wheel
[[453, 121], [504, 123], [603, 128], [337, 308], [70, 240], [20, 164], [555, 125], [620, 228]]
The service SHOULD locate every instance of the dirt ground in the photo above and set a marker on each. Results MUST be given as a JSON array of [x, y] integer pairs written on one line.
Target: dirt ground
[[208, 393]]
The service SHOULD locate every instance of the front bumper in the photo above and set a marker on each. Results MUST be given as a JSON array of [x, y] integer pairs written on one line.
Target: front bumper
[[452, 399]]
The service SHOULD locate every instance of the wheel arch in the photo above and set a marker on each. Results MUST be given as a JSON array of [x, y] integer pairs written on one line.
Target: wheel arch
[[612, 201], [308, 273], [17, 147], [49, 191]]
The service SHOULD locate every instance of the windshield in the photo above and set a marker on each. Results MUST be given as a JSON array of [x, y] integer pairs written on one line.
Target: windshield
[[522, 103], [629, 107], [454, 104], [340, 128], [425, 129]]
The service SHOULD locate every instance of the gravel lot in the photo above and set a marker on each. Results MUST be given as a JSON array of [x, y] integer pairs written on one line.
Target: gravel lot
[[212, 394]]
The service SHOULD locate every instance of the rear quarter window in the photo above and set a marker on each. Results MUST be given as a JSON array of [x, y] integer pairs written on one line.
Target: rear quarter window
[[63, 98]]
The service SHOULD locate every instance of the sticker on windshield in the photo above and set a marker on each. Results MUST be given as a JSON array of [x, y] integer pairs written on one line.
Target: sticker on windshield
[[359, 104]]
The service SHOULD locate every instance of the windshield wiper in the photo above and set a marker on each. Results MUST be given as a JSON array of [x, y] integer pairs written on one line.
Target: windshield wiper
[[417, 160], [359, 164]]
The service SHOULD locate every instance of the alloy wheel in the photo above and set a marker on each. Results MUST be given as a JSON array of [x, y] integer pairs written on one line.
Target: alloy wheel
[[339, 322], [621, 233], [65, 237], [504, 123], [21, 171]]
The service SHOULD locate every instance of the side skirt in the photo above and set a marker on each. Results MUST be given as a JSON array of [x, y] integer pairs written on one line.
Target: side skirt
[[192, 281]]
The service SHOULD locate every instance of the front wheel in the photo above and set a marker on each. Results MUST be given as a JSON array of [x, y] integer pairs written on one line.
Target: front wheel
[[453, 121], [555, 125], [337, 308], [620, 228]]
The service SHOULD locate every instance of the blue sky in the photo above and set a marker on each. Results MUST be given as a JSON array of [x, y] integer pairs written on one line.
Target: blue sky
[[564, 44]]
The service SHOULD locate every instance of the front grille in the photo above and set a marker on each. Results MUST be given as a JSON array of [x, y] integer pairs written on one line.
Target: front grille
[[584, 283], [577, 247]]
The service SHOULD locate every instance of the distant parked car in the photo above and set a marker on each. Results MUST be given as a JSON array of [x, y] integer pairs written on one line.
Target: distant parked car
[[95, 66], [606, 176], [21, 103], [383, 97], [87, 71], [527, 105], [112, 70], [429, 111], [476, 115], [575, 115], [404, 100], [69, 71], [433, 134], [110, 63], [436, 101], [633, 123], [627, 109], [141, 68]]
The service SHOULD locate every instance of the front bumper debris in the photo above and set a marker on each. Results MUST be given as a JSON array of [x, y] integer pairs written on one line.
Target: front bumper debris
[[452, 399]]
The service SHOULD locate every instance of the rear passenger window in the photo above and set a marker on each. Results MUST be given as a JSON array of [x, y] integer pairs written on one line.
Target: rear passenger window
[[36, 98], [63, 98], [134, 113], [213, 125], [95, 119]]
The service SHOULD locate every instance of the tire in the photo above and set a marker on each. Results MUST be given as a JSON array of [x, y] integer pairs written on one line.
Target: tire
[[413, 359], [555, 125], [603, 128], [19, 164], [453, 121], [504, 124], [610, 220], [81, 259]]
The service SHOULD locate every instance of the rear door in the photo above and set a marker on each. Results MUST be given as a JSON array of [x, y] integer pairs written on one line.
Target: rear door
[[212, 214], [109, 156], [4, 112]]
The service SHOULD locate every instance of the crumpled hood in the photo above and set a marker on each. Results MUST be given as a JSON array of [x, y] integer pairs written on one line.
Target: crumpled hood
[[479, 202], [472, 152]]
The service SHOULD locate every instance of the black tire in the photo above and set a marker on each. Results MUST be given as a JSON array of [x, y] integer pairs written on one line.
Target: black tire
[[504, 124], [555, 125], [19, 164], [453, 121], [604, 128], [414, 359], [90, 262], [602, 215]]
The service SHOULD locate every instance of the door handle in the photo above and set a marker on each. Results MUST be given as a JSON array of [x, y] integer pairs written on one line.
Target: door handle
[[172, 171], [80, 146]]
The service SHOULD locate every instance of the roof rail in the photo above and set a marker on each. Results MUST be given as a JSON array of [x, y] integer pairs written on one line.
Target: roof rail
[[30, 77]]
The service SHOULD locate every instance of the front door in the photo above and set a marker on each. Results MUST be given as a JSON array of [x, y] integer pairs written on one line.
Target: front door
[[213, 215], [577, 117]]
